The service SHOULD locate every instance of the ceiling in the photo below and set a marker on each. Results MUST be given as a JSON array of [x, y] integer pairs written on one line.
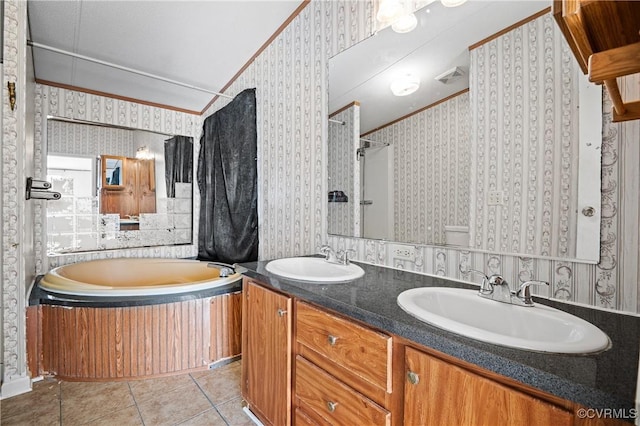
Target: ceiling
[[199, 43], [438, 44], [205, 44]]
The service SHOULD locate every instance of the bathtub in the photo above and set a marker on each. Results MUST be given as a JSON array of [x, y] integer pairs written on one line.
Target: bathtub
[[122, 319], [136, 277]]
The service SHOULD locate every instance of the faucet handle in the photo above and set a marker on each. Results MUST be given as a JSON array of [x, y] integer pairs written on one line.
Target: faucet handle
[[469, 270], [497, 279], [343, 255], [484, 288], [524, 292], [326, 250]]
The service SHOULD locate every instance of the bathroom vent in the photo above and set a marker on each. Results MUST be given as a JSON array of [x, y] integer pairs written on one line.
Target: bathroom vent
[[450, 75]]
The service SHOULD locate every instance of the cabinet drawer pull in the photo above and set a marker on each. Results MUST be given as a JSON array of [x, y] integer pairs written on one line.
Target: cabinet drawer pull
[[282, 312], [413, 378], [331, 406], [332, 340]]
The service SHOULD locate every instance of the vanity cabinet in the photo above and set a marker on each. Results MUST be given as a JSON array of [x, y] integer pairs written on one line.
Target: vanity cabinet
[[343, 370], [439, 393], [266, 348], [135, 192], [340, 371]]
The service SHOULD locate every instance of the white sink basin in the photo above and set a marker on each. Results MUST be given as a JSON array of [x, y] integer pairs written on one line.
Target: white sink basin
[[538, 328], [314, 269]]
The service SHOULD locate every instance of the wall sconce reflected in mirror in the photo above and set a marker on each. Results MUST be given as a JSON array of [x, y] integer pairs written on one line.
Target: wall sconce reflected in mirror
[[12, 95], [143, 153]]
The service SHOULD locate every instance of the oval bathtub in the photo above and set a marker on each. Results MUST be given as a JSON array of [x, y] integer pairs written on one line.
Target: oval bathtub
[[135, 277]]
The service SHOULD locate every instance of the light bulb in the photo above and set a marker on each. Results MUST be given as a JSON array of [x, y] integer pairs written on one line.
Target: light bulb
[[452, 3], [405, 85], [405, 23], [389, 10]]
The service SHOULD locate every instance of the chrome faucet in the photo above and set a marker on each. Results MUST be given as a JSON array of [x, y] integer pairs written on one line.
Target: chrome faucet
[[524, 292], [341, 257], [495, 287], [499, 289], [330, 255]]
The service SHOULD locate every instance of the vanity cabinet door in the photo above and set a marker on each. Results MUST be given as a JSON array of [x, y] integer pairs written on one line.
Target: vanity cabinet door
[[438, 393], [266, 353], [146, 186]]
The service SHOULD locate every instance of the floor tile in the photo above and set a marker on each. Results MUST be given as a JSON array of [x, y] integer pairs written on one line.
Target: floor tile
[[175, 406], [83, 402], [208, 418], [145, 389], [34, 418], [222, 384], [181, 399], [128, 416], [232, 413], [40, 406]]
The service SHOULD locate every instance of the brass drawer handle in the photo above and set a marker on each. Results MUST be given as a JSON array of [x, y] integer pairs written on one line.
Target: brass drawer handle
[[332, 340], [331, 406], [413, 378], [282, 312]]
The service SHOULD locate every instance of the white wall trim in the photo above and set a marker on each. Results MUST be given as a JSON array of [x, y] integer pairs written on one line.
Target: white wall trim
[[15, 387]]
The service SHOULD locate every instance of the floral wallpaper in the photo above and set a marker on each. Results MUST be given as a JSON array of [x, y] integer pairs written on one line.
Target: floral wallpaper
[[524, 98], [87, 140], [290, 77], [17, 226], [344, 171], [431, 146]]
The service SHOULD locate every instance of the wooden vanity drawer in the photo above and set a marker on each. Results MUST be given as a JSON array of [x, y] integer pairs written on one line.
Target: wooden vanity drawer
[[332, 400], [362, 351]]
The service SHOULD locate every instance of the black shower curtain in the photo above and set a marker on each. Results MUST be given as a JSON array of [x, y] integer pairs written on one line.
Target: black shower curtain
[[228, 180], [178, 162]]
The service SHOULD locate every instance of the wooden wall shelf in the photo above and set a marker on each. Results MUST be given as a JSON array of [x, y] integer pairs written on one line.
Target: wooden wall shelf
[[604, 35]]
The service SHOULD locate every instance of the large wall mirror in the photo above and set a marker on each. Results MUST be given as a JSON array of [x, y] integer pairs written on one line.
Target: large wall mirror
[[120, 187], [446, 135]]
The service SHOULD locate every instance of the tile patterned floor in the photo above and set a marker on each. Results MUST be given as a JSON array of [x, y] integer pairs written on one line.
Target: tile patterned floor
[[204, 398]]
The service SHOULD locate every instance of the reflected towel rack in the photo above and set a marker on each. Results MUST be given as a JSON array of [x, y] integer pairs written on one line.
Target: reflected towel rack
[[368, 142]]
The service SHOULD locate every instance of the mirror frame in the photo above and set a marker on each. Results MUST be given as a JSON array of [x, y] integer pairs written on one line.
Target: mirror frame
[[103, 166]]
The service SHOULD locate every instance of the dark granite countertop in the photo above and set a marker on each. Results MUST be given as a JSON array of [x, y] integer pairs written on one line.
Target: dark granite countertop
[[604, 380]]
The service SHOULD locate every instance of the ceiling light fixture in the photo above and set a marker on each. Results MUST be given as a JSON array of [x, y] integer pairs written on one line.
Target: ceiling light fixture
[[389, 10], [405, 85], [452, 3], [405, 23]]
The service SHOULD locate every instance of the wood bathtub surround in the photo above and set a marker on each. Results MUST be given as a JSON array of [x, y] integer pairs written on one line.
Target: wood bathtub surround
[[123, 343]]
